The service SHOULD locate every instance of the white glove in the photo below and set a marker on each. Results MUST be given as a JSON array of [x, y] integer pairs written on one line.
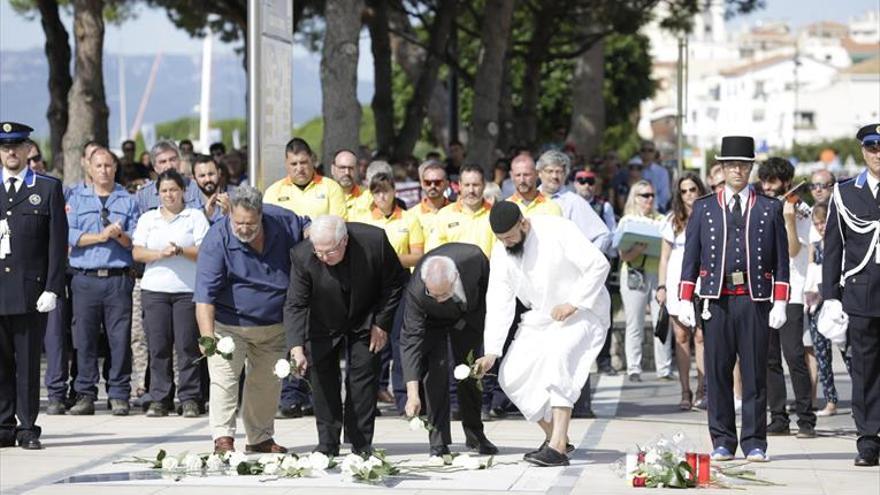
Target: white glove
[[777, 315], [832, 321], [46, 302], [686, 314]]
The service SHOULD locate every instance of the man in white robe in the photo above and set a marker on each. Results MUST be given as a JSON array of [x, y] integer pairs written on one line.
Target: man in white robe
[[548, 264]]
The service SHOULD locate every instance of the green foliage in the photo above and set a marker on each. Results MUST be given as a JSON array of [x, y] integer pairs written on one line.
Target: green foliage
[[844, 147], [313, 130]]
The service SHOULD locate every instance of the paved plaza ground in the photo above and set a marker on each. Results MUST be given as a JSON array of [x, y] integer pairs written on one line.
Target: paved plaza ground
[[82, 453]]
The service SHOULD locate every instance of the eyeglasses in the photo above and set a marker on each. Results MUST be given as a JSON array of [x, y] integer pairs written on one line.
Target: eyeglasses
[[646, 195], [818, 186], [330, 252], [105, 217], [430, 183], [585, 180], [35, 159], [689, 190]]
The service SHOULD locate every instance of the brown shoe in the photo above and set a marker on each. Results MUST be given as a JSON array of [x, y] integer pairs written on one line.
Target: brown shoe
[[385, 397], [266, 447], [224, 444]]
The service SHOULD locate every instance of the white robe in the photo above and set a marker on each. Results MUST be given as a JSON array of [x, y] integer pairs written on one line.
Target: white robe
[[548, 362]]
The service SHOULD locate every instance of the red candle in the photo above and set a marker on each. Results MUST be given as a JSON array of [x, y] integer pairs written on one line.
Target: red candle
[[691, 459], [703, 476]]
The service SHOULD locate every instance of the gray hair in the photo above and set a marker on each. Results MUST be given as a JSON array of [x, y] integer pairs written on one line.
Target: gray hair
[[431, 165], [554, 157], [326, 225], [161, 147], [438, 269], [249, 198], [378, 167]]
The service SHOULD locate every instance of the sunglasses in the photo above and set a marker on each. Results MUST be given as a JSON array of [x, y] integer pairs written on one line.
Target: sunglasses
[[646, 195], [35, 159], [585, 180], [818, 186], [689, 190], [430, 183], [105, 217]]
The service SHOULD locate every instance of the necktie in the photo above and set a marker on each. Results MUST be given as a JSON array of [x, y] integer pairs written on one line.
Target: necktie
[[11, 189], [737, 209]]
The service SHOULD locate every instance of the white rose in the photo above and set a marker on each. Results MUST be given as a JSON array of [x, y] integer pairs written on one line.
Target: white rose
[[416, 424], [319, 461], [282, 368], [270, 469], [226, 345], [214, 463], [436, 461], [652, 457], [289, 462], [303, 463], [235, 458], [170, 463], [473, 463], [352, 464], [192, 462], [372, 462], [461, 372], [271, 459]]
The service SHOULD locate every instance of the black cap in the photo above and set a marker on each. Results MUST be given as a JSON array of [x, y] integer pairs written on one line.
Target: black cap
[[14, 133], [869, 133], [504, 216], [737, 148]]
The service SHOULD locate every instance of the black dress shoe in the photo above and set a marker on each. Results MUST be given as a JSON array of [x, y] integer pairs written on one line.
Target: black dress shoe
[[308, 410], [569, 448], [328, 451], [482, 445], [866, 461], [778, 429], [439, 451], [364, 451], [30, 443], [548, 457], [588, 414]]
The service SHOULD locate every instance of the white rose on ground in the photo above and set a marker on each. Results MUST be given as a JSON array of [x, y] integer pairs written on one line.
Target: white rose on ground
[[436, 461], [271, 459], [170, 463], [290, 462], [652, 457], [461, 372], [466, 461], [319, 461], [235, 458], [304, 464], [226, 345], [192, 462], [214, 463], [270, 469], [372, 462], [416, 424], [352, 464], [282, 368]]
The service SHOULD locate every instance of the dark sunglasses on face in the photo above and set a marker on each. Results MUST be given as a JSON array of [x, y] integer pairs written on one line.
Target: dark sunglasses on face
[[105, 217], [646, 195], [585, 180], [35, 159], [818, 186], [430, 183], [689, 190]]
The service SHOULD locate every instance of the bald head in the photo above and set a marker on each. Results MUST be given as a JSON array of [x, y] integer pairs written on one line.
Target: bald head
[[524, 175], [821, 185]]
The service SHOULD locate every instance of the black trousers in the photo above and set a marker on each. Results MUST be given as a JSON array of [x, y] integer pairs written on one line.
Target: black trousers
[[864, 338], [170, 325], [21, 338], [361, 386], [738, 327], [436, 383], [790, 339]]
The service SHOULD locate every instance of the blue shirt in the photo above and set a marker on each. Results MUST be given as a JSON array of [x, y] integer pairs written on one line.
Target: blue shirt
[[84, 217], [148, 196], [248, 288], [68, 190], [658, 176]]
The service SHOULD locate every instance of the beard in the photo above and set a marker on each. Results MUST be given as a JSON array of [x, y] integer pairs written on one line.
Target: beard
[[246, 238], [208, 188], [516, 249]]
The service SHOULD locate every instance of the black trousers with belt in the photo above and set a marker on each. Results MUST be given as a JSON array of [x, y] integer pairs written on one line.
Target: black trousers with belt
[[358, 413], [738, 327], [864, 338], [788, 341], [436, 383], [21, 338]]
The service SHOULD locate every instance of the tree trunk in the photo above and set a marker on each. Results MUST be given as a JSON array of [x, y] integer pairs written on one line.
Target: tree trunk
[[487, 83], [417, 107], [410, 57], [58, 54], [536, 56], [587, 101], [383, 104], [87, 106], [506, 116], [339, 60]]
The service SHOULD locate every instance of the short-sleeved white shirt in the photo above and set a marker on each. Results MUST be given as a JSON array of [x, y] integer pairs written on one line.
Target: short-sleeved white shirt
[[176, 274]]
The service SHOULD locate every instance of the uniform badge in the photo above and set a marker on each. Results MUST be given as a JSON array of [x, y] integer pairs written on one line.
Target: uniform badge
[[35, 199], [7, 127], [877, 129]]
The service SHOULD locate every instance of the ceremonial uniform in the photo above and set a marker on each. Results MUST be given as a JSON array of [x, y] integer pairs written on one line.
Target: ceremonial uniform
[[32, 259], [736, 244], [851, 276]]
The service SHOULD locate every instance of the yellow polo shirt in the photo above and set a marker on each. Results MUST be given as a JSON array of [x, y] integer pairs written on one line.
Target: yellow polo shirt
[[322, 196], [403, 231], [538, 206], [425, 215], [455, 223], [357, 202]]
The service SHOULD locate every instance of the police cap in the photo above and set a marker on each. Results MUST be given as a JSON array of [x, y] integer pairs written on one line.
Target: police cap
[[14, 133], [869, 134]]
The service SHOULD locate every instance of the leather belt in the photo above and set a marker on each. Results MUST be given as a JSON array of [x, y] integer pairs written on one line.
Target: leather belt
[[104, 272]]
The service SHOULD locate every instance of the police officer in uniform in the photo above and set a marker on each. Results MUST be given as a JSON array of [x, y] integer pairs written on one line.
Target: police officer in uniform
[[851, 284], [736, 243], [33, 230]]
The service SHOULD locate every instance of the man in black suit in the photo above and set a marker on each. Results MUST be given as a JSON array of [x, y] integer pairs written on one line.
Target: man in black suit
[[33, 253], [851, 243], [345, 285], [446, 298]]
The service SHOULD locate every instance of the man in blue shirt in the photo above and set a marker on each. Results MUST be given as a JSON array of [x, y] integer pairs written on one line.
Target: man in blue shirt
[[102, 217], [165, 155], [243, 272], [656, 174]]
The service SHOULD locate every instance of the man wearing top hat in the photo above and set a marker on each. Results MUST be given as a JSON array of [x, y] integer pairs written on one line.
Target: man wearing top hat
[[735, 243], [851, 284], [33, 251]]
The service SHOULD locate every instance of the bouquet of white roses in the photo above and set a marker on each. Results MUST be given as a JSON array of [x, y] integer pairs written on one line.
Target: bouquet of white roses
[[372, 469]]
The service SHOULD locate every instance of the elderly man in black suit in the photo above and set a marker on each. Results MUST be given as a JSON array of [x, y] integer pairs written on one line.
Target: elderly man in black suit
[[345, 285], [446, 300], [33, 254]]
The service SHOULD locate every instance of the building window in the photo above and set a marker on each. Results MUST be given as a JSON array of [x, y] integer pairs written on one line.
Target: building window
[[805, 120]]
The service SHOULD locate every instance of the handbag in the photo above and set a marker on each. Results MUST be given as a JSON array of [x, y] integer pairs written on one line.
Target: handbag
[[661, 329], [635, 277]]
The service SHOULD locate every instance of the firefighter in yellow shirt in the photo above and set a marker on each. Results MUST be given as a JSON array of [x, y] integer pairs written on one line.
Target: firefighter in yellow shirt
[[344, 169], [466, 220], [432, 175], [304, 191], [527, 197]]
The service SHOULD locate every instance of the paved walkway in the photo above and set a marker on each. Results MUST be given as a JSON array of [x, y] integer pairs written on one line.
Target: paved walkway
[[82, 453]]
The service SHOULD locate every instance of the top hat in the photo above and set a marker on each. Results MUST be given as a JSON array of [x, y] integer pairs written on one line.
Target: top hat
[[869, 133], [14, 133], [737, 148]]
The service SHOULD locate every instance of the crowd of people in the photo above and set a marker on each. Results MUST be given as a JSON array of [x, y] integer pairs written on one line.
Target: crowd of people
[[384, 272]]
